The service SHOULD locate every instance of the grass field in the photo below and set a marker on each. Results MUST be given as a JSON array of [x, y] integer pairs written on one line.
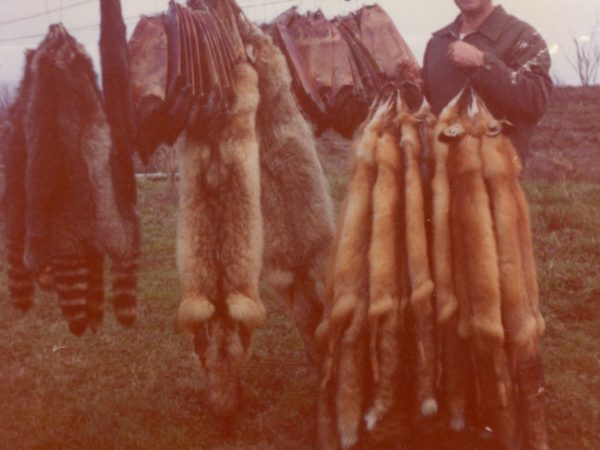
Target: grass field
[[141, 388]]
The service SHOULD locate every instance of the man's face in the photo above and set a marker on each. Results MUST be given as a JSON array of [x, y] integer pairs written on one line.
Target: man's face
[[472, 6]]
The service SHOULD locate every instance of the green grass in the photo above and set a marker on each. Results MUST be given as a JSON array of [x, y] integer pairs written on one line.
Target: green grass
[[142, 388]]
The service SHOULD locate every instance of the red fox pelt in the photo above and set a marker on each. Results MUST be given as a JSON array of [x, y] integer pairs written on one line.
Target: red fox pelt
[[66, 199], [386, 290], [523, 322], [421, 284], [374, 273], [344, 326], [476, 263], [494, 271]]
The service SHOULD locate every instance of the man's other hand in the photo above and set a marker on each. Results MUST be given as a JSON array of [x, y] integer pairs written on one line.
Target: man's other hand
[[465, 55]]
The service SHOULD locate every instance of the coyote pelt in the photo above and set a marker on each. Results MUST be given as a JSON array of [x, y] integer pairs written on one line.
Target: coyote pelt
[[296, 206], [68, 206], [253, 202], [220, 242], [493, 275], [220, 236]]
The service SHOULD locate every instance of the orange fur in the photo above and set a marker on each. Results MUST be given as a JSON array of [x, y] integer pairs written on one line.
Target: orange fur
[[479, 253], [446, 302], [384, 268], [418, 264], [523, 322]]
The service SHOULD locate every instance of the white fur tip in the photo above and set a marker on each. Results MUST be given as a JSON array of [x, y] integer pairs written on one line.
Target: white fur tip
[[246, 310], [348, 440], [193, 311], [457, 422], [429, 407], [371, 419]]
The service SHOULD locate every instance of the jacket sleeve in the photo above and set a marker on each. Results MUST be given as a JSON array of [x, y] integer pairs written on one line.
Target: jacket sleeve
[[521, 86]]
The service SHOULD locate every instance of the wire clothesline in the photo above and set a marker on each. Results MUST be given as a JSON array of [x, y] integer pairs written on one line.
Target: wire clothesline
[[47, 11], [251, 5], [91, 26]]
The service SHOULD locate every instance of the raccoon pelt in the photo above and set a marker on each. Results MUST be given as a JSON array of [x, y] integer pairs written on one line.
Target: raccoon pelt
[[296, 206], [70, 214], [119, 110], [497, 297], [14, 150]]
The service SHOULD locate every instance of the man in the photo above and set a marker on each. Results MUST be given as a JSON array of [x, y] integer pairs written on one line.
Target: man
[[505, 60]]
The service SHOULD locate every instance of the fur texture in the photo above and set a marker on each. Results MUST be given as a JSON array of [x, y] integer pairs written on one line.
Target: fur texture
[[220, 242], [446, 302], [482, 277], [345, 365], [67, 205], [384, 265], [522, 319], [295, 202], [232, 195], [417, 260], [484, 170], [119, 109], [21, 285]]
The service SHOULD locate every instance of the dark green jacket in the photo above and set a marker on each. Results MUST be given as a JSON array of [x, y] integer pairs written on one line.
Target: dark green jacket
[[513, 81]]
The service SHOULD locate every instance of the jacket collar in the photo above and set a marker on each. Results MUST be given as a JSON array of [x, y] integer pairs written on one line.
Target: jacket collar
[[492, 27]]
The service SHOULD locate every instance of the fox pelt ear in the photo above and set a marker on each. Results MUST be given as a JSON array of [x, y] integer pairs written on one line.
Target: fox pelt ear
[[452, 133]]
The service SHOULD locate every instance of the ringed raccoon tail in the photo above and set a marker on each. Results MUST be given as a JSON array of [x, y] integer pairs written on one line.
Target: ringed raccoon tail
[[72, 276], [124, 289], [95, 291], [20, 280]]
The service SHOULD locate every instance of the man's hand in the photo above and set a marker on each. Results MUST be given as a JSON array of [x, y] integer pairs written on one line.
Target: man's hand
[[465, 55]]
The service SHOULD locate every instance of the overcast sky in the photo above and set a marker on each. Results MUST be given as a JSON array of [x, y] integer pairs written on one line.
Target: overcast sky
[[557, 20]]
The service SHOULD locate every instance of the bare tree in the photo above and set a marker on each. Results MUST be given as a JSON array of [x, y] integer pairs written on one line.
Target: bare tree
[[6, 98], [587, 56]]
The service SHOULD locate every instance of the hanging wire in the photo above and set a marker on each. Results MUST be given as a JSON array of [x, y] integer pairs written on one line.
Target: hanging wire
[[92, 26], [267, 3], [48, 11], [71, 29]]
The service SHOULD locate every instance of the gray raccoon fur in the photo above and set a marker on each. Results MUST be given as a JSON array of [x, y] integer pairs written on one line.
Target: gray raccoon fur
[[70, 195], [296, 205], [61, 204], [14, 151]]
